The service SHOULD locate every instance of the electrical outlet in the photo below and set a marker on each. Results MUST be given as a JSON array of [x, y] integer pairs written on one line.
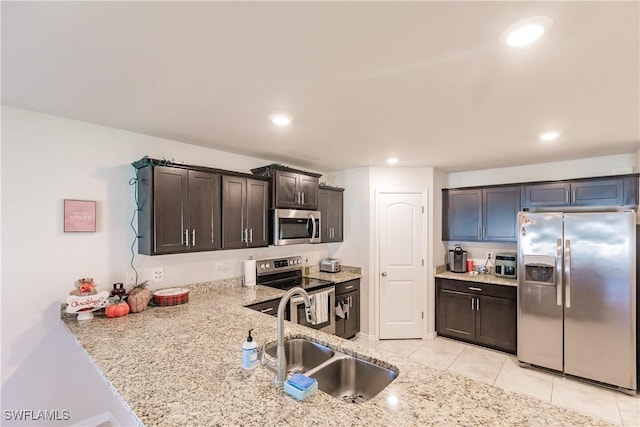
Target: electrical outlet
[[158, 274], [219, 267], [131, 278]]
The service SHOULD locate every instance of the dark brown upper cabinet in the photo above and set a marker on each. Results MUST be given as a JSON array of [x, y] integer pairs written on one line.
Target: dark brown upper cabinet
[[244, 212], [481, 214], [330, 205], [605, 191], [179, 210], [291, 188]]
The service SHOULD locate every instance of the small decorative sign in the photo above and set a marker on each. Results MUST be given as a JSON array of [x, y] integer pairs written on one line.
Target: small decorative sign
[[84, 305], [79, 215]]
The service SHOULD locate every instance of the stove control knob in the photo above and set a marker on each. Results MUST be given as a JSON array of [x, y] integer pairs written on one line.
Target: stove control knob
[[297, 261], [262, 266], [268, 265]]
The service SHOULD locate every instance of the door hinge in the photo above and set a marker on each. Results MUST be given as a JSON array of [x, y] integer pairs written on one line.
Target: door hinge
[[423, 209], [423, 262], [423, 314]]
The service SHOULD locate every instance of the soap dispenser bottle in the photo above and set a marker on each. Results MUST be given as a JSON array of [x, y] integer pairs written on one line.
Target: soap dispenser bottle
[[249, 353]]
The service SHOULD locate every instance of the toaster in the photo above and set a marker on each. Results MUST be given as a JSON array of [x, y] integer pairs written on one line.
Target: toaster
[[330, 265]]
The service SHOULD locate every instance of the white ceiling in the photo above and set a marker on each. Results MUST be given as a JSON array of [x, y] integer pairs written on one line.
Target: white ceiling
[[427, 82]]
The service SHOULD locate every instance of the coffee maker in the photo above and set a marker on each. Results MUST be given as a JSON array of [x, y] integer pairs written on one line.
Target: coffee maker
[[458, 260]]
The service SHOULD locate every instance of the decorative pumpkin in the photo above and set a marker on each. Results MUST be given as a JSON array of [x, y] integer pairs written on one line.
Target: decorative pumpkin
[[139, 298], [117, 310]]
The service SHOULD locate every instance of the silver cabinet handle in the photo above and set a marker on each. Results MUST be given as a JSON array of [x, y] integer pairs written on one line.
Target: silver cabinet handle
[[193, 237], [383, 274], [266, 310], [350, 301], [559, 272], [348, 287], [567, 273], [484, 233], [573, 196], [477, 304], [472, 306], [303, 198], [244, 235], [186, 237], [479, 232], [251, 235], [472, 288], [566, 197]]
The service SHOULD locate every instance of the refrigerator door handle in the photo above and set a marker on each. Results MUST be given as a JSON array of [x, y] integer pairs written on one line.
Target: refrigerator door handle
[[559, 272], [567, 273]]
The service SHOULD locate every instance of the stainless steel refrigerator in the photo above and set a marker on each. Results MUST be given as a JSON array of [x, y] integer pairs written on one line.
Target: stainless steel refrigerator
[[577, 294]]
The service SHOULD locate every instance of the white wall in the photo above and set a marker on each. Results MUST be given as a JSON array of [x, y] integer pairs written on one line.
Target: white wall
[[46, 159], [598, 166]]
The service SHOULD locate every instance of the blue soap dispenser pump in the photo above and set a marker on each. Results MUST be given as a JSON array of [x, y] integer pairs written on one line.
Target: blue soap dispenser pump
[[249, 353]]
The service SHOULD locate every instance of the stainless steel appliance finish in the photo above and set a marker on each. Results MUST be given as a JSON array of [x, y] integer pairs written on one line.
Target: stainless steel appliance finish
[[329, 265], [286, 273], [506, 264], [577, 294], [295, 226], [458, 260], [297, 311]]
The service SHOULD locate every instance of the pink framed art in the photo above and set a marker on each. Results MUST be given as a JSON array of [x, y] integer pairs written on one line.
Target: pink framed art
[[79, 215]]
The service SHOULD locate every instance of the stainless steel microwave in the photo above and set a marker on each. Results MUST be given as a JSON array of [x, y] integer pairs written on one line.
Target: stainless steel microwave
[[294, 226]]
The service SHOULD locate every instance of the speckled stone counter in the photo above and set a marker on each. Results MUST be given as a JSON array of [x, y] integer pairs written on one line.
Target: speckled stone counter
[[181, 366], [480, 278], [345, 274]]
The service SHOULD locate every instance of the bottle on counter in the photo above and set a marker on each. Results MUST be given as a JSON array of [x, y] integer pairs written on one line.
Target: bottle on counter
[[249, 353], [306, 267]]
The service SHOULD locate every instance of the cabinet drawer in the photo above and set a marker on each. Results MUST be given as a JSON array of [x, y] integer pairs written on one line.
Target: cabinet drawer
[[477, 288], [349, 286], [267, 307]]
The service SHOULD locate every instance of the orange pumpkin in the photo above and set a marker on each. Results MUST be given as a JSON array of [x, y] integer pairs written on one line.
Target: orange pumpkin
[[117, 310]]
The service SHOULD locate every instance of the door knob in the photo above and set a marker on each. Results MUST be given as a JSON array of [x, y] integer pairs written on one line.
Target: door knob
[[384, 274]]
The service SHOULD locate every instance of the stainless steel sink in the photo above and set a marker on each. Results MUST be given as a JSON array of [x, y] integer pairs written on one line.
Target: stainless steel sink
[[302, 355], [352, 380]]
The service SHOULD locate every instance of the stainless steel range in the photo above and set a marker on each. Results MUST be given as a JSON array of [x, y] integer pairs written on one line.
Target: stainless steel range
[[286, 273]]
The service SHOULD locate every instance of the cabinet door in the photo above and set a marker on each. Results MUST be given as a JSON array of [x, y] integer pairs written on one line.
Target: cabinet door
[[464, 215], [335, 215], [285, 189], [597, 192], [234, 198], [204, 211], [257, 212], [546, 194], [456, 316], [170, 209], [496, 322], [500, 213], [352, 322], [340, 321], [308, 187]]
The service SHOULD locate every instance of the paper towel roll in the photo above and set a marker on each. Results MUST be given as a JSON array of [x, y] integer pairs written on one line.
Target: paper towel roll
[[250, 273]]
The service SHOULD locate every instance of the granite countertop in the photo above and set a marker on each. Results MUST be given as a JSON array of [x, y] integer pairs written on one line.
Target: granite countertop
[[345, 274], [181, 365], [479, 277]]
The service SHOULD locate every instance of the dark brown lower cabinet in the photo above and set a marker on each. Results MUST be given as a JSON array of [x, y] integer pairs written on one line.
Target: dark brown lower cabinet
[[478, 313], [348, 296]]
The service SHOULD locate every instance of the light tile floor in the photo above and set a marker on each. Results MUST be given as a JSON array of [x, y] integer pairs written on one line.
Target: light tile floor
[[502, 370]]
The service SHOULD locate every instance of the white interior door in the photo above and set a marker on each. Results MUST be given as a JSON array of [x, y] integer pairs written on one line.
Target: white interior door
[[401, 270]]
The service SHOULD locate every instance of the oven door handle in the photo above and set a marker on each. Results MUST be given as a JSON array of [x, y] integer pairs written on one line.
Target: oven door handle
[[313, 223]]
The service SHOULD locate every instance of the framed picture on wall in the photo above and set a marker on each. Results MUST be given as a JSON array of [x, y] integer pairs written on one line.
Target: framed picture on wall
[[79, 215]]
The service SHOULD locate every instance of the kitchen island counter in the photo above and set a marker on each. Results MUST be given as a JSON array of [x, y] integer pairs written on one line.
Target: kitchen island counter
[[181, 365]]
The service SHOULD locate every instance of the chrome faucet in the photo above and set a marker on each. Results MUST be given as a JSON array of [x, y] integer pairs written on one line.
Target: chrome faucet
[[278, 365]]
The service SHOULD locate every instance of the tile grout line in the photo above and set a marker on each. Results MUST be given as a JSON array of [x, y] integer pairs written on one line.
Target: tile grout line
[[499, 372]]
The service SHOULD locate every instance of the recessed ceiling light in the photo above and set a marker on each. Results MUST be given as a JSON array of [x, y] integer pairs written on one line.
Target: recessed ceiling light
[[525, 31], [281, 120], [392, 160], [549, 136]]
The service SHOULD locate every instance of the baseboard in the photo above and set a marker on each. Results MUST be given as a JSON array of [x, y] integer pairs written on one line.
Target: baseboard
[[431, 335], [362, 335], [105, 417]]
